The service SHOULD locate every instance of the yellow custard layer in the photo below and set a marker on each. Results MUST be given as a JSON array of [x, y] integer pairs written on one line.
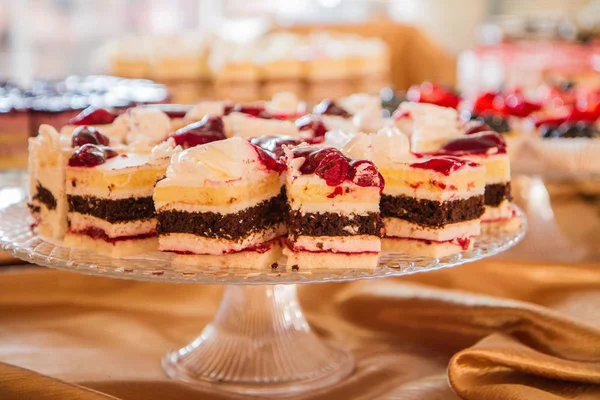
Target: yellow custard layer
[[301, 191], [230, 194], [402, 175]]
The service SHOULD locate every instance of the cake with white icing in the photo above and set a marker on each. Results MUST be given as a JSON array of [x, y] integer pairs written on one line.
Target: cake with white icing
[[222, 204]]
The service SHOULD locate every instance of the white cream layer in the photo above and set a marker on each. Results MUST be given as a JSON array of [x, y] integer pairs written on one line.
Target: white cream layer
[[503, 211], [80, 222], [334, 244], [108, 194], [187, 242], [441, 195], [399, 228]]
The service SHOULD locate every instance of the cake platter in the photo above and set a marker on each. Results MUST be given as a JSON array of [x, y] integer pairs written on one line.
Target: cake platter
[[259, 342]]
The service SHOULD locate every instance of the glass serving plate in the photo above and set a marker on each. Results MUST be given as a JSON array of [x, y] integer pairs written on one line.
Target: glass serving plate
[[259, 342]]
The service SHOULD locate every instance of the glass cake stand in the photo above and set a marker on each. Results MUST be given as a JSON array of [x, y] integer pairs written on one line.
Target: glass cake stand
[[259, 342]]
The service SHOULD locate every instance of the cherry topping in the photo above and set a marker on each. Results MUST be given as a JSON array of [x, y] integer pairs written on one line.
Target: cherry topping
[[516, 105], [480, 143], [208, 129], [477, 127], [329, 107], [443, 165], [88, 135], [268, 161], [363, 173], [432, 93], [310, 122], [93, 116], [486, 102], [333, 168], [313, 157], [90, 155], [274, 144]]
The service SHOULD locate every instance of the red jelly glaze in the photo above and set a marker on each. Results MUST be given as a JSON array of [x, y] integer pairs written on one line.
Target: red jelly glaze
[[93, 116], [574, 115], [88, 135], [254, 110], [91, 155], [97, 233], [268, 160], [443, 165], [259, 248], [312, 123], [432, 93], [338, 191], [480, 143], [329, 107], [335, 168], [208, 129], [274, 144], [476, 128]]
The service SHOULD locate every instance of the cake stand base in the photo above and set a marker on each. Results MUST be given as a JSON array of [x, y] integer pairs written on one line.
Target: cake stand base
[[260, 343]]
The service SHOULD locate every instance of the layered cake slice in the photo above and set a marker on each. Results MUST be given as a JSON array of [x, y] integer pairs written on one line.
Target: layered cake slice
[[222, 204], [333, 210], [488, 149], [109, 195], [47, 199], [432, 207]]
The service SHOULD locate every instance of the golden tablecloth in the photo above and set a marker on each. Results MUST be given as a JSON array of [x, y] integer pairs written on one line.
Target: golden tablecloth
[[489, 330]]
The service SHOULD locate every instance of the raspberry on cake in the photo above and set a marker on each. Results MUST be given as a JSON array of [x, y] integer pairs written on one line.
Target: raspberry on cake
[[109, 196], [47, 199], [333, 210], [222, 204], [488, 149]]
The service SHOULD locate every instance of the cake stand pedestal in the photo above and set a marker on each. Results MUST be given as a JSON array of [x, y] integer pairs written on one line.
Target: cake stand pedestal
[[259, 342]]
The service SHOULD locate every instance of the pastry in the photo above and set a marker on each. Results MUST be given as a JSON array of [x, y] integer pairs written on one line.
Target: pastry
[[109, 196], [222, 204], [333, 216]]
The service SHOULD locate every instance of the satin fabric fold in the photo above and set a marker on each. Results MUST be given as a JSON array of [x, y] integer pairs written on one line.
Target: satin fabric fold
[[489, 330]]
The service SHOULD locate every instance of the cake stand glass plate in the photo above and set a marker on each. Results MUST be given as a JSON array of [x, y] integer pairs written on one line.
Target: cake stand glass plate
[[259, 342]]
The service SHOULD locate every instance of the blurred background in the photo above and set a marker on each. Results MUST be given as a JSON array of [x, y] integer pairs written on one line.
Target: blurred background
[[473, 44]]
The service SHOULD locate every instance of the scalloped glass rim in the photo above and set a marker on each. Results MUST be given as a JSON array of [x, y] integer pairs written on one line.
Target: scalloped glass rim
[[17, 238]]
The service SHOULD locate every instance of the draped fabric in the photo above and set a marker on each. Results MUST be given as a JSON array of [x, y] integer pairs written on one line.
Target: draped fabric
[[488, 330]]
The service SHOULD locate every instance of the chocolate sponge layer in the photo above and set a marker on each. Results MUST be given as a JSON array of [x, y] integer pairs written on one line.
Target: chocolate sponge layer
[[227, 226], [496, 193], [431, 213], [333, 224], [119, 210]]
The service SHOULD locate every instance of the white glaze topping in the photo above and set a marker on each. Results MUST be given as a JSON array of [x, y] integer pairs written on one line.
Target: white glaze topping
[[147, 127]]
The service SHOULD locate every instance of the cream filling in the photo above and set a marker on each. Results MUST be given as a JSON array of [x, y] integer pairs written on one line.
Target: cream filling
[[399, 228], [503, 211], [110, 194], [334, 244], [187, 242], [333, 207], [440, 195], [220, 209], [80, 222]]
